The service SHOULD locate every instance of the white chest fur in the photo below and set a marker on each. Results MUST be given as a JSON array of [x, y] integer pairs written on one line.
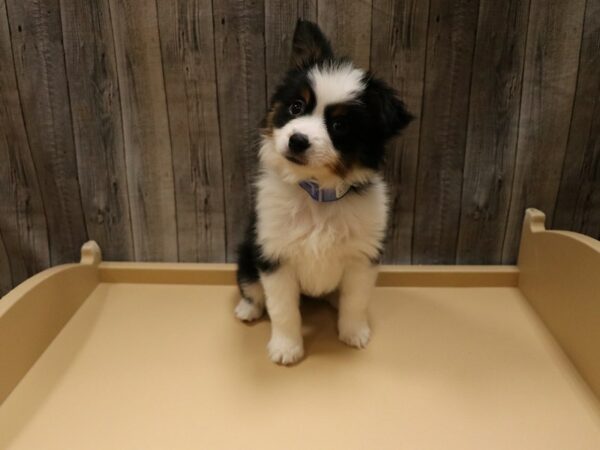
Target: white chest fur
[[319, 239]]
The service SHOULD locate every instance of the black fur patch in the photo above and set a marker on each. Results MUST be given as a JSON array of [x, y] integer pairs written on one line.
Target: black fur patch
[[310, 46], [360, 129], [294, 87], [251, 261], [387, 112], [347, 125]]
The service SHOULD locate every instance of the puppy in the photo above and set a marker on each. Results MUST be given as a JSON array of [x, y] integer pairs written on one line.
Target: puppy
[[320, 211]]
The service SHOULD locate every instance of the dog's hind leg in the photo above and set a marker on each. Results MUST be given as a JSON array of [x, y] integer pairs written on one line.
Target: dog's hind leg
[[252, 304]]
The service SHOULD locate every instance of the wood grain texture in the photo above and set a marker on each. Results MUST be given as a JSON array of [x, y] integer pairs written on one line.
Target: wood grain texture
[[241, 82], [495, 100], [398, 56], [280, 21], [22, 218], [578, 204], [6, 281], [186, 30], [347, 23], [36, 37], [135, 122], [549, 78], [145, 130], [451, 39], [97, 125]]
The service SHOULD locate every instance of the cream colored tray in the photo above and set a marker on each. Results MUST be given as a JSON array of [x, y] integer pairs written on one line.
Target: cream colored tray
[[104, 355]]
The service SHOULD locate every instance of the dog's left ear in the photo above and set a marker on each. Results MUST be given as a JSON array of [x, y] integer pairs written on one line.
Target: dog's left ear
[[310, 46], [389, 111]]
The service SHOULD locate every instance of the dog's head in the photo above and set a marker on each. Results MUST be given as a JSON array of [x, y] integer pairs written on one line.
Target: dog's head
[[328, 120]]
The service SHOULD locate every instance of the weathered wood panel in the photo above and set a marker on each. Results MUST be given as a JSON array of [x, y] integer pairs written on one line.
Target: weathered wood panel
[[451, 39], [347, 23], [495, 101], [36, 37], [136, 122], [280, 21], [578, 204], [6, 281], [22, 219], [398, 56], [97, 124], [550, 74], [240, 63], [186, 30], [145, 130]]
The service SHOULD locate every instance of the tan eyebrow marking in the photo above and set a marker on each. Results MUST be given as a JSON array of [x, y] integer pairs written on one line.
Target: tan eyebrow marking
[[267, 128], [339, 168], [306, 94], [338, 111]]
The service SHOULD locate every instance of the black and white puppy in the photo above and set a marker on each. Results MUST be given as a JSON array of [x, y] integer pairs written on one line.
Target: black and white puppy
[[321, 207]]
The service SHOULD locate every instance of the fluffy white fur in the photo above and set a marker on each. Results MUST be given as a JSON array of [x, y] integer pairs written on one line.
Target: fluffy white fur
[[321, 151], [251, 310], [335, 83], [325, 246]]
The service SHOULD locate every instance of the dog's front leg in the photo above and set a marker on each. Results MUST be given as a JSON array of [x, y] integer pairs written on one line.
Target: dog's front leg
[[283, 305], [355, 292]]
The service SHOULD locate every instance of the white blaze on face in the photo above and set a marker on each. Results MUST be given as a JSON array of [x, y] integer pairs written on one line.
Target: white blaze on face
[[335, 84]]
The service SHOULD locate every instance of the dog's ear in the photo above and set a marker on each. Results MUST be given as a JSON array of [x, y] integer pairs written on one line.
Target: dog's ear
[[310, 46], [388, 110]]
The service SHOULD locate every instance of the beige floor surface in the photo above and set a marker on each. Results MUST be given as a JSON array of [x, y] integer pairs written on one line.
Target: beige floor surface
[[168, 367]]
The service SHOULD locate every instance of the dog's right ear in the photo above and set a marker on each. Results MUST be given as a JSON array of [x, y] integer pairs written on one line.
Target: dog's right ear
[[310, 46]]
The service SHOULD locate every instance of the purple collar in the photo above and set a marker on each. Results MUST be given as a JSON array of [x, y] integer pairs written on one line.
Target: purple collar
[[319, 194]]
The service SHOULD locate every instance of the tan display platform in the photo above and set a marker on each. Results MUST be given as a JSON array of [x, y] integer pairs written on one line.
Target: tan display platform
[[102, 355]]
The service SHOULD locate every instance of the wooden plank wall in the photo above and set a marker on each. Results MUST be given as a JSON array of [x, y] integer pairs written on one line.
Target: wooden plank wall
[[134, 123]]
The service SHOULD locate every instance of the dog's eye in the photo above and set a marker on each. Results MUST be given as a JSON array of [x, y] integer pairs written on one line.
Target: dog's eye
[[297, 108], [339, 126]]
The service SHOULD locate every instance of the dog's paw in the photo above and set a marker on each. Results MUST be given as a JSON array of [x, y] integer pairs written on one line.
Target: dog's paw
[[285, 351], [355, 334], [248, 310]]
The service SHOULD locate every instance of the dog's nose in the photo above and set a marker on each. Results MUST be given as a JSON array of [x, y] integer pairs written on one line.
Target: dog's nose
[[298, 142]]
